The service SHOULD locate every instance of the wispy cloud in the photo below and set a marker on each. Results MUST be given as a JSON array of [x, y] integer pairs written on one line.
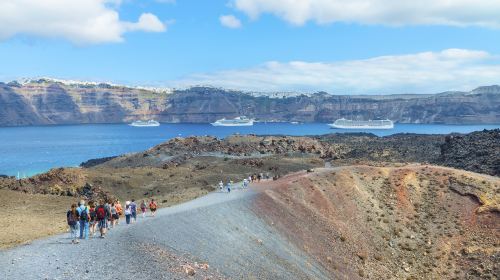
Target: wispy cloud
[[387, 12], [79, 21], [426, 72], [230, 21]]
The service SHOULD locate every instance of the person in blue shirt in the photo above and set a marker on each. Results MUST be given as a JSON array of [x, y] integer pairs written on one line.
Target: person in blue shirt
[[133, 209], [83, 213]]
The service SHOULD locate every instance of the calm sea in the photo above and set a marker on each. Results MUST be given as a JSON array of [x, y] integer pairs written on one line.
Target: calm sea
[[32, 150]]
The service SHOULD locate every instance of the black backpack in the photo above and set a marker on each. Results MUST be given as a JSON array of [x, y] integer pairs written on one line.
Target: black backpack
[[72, 219], [93, 214], [84, 215]]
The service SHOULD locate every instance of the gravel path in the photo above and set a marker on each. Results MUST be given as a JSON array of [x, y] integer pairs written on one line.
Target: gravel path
[[219, 229]]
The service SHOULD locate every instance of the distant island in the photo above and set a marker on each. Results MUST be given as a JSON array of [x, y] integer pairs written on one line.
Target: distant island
[[50, 102]]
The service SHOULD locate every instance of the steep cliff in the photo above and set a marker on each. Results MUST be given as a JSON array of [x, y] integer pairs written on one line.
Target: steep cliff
[[45, 101]]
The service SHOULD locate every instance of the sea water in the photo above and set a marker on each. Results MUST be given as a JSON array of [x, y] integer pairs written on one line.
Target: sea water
[[30, 150]]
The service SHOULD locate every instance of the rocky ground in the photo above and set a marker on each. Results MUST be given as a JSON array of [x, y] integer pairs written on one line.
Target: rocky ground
[[412, 222], [351, 222]]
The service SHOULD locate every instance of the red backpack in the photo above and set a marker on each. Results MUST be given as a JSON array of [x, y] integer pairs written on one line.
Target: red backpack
[[101, 213]]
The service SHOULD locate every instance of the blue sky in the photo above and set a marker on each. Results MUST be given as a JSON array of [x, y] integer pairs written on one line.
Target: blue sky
[[272, 47]]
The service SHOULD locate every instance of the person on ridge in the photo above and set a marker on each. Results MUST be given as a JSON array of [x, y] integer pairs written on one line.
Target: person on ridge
[[72, 218], [143, 208], [152, 207], [133, 208], [83, 213]]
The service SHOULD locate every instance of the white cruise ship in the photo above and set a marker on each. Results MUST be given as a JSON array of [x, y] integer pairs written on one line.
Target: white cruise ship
[[370, 124], [150, 123], [238, 121]]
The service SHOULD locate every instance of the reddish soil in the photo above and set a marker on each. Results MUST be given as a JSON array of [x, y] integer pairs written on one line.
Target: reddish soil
[[412, 222]]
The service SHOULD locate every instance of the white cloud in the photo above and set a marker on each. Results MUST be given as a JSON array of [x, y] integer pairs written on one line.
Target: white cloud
[[230, 21], [387, 12], [79, 21], [426, 72]]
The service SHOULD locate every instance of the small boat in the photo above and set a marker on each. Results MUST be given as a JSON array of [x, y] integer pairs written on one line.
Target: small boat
[[370, 124], [150, 123], [294, 122], [238, 121]]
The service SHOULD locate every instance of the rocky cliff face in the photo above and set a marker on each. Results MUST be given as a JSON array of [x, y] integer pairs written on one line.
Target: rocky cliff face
[[43, 102]]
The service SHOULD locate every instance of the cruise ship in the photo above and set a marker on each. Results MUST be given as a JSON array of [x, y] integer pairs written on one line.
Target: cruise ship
[[238, 121], [370, 124], [150, 123]]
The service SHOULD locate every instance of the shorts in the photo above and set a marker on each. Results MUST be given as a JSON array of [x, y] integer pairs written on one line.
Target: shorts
[[116, 216], [134, 215], [152, 209], [102, 224]]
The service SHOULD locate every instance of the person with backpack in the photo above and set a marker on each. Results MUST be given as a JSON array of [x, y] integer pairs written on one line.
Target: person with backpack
[[143, 208], [128, 212], [133, 208], [73, 218], [93, 218], [83, 213], [152, 207], [102, 215]]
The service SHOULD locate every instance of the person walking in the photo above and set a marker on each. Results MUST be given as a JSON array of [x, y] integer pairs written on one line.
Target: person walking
[[73, 218], [228, 187], [245, 183], [143, 208], [221, 186], [152, 207], [93, 218], [133, 208], [128, 212], [114, 215], [102, 216], [119, 208], [107, 207], [83, 213]]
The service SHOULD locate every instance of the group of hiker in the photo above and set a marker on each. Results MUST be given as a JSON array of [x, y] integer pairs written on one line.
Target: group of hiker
[[252, 178], [88, 217]]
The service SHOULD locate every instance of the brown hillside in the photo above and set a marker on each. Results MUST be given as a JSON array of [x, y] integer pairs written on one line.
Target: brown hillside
[[413, 222]]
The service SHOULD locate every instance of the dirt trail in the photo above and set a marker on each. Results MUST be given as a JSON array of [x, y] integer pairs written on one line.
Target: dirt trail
[[218, 229]]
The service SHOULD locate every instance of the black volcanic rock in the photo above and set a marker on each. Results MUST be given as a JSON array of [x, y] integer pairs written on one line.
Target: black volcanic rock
[[477, 151], [94, 162]]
